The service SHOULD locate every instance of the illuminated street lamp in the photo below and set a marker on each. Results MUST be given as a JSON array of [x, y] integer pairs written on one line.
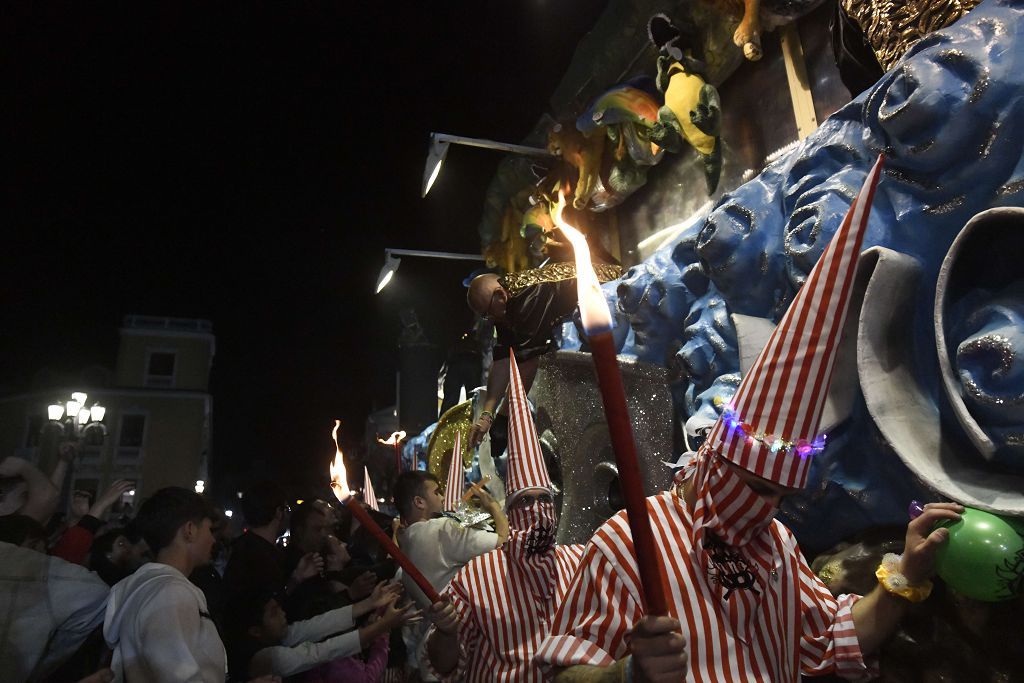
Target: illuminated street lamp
[[439, 143], [75, 419]]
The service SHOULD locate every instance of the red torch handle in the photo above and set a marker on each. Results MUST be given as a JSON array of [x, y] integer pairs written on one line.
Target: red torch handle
[[407, 566], [398, 457], [613, 394]]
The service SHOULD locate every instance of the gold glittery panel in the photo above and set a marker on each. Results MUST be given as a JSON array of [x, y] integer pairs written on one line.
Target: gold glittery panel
[[457, 419], [554, 272], [893, 26]]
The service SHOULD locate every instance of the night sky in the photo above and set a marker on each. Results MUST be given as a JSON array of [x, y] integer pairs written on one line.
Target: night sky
[[248, 163]]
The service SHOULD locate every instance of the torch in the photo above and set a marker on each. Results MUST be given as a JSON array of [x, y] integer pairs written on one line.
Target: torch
[[597, 323], [395, 440], [339, 484]]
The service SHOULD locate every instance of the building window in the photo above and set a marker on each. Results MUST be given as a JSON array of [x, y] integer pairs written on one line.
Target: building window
[[35, 430], [131, 437], [160, 367]]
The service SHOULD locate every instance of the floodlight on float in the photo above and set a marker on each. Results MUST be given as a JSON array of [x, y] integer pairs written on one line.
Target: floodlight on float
[[439, 143], [387, 271]]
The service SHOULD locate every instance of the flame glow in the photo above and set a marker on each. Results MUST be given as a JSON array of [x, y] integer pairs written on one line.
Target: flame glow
[[593, 307], [339, 477], [395, 438]]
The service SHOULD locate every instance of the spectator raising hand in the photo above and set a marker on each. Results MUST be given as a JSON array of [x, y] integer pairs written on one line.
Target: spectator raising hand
[[362, 586], [109, 497], [309, 566]]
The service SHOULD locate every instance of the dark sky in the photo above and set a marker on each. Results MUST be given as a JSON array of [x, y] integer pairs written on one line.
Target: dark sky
[[248, 163]]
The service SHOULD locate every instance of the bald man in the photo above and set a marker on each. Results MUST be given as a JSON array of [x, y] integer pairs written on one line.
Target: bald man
[[526, 308]]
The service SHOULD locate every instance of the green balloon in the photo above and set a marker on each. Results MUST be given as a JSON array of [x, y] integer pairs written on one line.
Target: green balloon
[[984, 557]]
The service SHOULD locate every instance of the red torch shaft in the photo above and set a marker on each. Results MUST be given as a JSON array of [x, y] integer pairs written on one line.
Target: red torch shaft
[[407, 566], [398, 457], [613, 394]]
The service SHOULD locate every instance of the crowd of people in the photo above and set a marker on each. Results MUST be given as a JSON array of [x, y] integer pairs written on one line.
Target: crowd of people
[[168, 595]]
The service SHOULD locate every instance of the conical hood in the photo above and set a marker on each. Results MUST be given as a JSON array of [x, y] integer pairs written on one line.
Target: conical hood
[[526, 468], [369, 497], [771, 426], [453, 489]]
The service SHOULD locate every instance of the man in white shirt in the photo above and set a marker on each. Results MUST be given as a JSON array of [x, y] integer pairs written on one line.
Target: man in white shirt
[[438, 545]]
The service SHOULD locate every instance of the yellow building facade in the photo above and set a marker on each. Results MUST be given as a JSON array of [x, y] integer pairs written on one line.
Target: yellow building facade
[[158, 417]]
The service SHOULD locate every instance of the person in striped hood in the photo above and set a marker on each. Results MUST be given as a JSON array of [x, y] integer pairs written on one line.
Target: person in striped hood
[[500, 605], [743, 603]]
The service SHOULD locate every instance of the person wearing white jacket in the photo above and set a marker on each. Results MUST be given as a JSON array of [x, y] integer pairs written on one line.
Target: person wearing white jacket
[[266, 644], [157, 622]]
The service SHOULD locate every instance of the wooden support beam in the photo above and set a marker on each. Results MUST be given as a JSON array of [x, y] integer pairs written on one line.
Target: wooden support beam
[[799, 84]]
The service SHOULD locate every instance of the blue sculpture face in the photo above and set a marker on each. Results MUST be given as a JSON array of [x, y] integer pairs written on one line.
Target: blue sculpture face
[[989, 361], [710, 341], [655, 296], [816, 217], [944, 106], [741, 242]]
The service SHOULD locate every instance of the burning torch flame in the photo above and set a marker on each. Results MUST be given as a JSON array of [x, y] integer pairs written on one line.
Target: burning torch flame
[[339, 478], [393, 439], [593, 307]]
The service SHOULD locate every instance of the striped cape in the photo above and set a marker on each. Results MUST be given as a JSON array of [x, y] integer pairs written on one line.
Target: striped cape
[[797, 628], [504, 620]]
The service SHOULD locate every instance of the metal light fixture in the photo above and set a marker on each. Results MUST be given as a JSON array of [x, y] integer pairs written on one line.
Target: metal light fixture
[[392, 260], [435, 157], [73, 407], [76, 420], [387, 271], [439, 143]]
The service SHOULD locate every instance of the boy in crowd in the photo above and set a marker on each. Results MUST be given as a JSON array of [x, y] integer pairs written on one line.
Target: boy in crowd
[[157, 622]]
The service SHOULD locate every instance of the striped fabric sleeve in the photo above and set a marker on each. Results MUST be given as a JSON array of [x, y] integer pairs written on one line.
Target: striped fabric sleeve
[[591, 624], [828, 643], [469, 634]]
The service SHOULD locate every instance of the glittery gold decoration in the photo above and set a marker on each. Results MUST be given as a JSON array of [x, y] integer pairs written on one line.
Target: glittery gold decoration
[[554, 272], [457, 419], [893, 26], [830, 572]]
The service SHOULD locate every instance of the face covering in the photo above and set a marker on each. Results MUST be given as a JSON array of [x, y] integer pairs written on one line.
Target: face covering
[[537, 524], [730, 525], [725, 505], [530, 548]]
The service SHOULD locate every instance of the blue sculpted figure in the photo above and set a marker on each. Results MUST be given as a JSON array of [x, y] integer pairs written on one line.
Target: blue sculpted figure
[[948, 119]]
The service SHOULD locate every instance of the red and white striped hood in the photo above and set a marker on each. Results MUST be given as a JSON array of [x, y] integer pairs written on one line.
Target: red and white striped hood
[[526, 467], [771, 426]]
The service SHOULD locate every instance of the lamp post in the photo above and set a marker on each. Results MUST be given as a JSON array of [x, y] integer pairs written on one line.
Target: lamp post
[[392, 260], [439, 143], [75, 419]]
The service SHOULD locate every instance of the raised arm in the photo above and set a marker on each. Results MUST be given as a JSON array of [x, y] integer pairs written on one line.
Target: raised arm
[[497, 385], [877, 614], [42, 496]]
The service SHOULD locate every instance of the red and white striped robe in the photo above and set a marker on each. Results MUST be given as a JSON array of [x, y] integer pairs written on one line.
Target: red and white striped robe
[[504, 619], [798, 627]]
